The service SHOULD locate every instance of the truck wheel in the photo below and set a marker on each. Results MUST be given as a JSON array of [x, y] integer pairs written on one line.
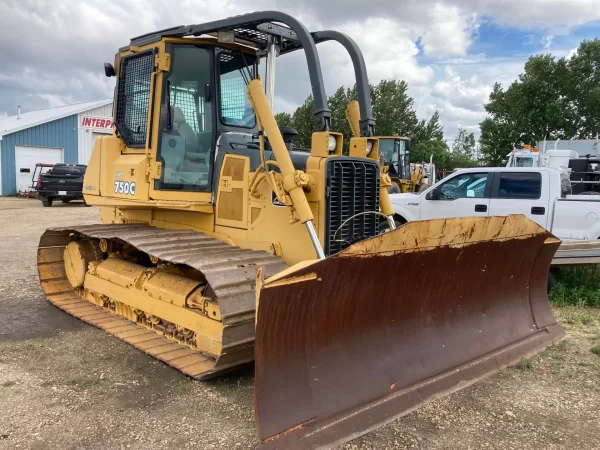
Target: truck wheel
[[47, 202], [394, 189]]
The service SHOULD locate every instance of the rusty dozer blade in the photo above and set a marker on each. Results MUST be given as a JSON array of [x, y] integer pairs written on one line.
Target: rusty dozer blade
[[351, 342]]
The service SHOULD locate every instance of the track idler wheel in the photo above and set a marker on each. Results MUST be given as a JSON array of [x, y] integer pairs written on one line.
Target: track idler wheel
[[77, 256]]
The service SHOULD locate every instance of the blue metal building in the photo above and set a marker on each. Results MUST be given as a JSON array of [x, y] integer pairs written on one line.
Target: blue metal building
[[62, 134]]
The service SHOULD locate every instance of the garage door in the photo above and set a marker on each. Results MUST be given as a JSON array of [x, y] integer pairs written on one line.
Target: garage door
[[27, 157]]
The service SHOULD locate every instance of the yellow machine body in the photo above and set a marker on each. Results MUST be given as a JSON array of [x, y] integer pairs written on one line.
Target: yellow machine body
[[221, 245], [262, 210], [236, 215]]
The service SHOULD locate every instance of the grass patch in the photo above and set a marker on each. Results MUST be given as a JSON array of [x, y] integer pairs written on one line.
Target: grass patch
[[556, 351], [525, 364], [184, 386], [576, 286], [586, 318], [596, 349], [8, 383]]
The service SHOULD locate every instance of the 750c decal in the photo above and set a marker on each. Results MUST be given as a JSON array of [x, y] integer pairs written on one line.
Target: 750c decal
[[125, 187]]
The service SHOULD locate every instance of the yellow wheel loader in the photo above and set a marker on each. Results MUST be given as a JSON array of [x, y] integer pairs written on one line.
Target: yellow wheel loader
[[394, 158], [220, 245]]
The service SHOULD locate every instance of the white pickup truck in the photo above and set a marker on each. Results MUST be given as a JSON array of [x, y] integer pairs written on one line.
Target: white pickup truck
[[542, 194]]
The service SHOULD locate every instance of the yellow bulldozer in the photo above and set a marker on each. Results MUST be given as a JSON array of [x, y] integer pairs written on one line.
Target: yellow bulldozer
[[221, 245]]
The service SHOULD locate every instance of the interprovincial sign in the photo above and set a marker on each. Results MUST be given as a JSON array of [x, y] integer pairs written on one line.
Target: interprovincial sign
[[96, 122]]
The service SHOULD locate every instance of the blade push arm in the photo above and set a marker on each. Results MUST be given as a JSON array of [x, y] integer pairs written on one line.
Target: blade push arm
[[293, 180]]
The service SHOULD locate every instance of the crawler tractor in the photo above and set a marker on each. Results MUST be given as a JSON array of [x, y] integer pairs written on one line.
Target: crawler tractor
[[221, 245]]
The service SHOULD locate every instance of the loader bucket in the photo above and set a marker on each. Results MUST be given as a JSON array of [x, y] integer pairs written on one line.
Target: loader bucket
[[348, 343]]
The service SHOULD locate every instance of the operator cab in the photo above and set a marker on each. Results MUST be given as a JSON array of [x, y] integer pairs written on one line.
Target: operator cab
[[204, 110], [395, 153], [205, 91]]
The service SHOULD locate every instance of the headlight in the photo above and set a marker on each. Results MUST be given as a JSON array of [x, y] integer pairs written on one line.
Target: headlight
[[332, 143], [369, 147]]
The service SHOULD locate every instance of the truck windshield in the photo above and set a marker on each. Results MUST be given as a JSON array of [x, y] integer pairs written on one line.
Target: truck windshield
[[73, 170]]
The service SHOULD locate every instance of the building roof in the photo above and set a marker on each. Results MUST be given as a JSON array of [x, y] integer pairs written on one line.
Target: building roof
[[30, 119]]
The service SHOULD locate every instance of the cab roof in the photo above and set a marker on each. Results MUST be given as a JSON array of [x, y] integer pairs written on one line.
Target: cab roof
[[252, 33]]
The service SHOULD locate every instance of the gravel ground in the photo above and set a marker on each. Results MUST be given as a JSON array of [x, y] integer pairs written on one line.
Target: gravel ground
[[67, 385]]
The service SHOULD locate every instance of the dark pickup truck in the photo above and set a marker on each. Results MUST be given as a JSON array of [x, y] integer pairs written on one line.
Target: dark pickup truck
[[62, 182]]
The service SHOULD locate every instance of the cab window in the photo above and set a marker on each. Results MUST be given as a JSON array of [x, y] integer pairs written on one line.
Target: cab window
[[469, 185], [524, 162], [396, 155], [185, 142], [234, 72], [520, 185]]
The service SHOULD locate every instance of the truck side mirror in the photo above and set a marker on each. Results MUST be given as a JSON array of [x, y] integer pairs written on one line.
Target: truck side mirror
[[434, 194]]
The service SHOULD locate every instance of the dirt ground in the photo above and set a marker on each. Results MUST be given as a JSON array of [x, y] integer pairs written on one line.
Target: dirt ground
[[67, 385]]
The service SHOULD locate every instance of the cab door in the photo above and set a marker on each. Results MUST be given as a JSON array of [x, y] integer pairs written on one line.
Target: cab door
[[521, 192], [463, 195]]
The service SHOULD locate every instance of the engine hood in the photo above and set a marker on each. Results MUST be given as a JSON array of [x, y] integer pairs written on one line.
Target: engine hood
[[405, 198]]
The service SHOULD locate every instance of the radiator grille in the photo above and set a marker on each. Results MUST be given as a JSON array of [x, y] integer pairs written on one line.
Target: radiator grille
[[352, 187]]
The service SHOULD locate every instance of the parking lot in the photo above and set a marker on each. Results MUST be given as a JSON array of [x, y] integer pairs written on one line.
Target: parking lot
[[65, 384]]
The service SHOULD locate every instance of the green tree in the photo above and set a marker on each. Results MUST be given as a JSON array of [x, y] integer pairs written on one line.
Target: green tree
[[464, 144], [392, 109], [430, 130], [551, 99], [337, 104], [284, 119], [393, 113], [422, 151], [495, 142], [584, 88], [304, 123]]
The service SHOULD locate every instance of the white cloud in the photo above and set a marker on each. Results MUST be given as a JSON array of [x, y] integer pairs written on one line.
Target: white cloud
[[558, 15], [572, 53], [61, 46], [547, 40], [470, 93], [389, 51], [450, 32], [461, 88], [395, 59], [57, 100]]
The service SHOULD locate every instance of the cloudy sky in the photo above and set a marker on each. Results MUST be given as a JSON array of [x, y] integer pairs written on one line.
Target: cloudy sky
[[449, 52]]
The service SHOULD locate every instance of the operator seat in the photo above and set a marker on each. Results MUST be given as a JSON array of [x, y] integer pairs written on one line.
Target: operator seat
[[184, 129], [195, 157]]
